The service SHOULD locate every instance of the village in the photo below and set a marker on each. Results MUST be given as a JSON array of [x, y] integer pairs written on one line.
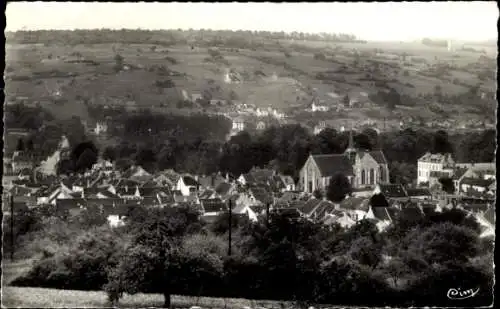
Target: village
[[261, 190]]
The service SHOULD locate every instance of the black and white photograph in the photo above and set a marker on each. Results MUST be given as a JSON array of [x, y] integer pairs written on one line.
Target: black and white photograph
[[249, 155]]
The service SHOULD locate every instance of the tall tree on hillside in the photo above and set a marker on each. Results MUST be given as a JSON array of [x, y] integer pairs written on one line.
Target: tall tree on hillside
[[393, 99], [338, 188]]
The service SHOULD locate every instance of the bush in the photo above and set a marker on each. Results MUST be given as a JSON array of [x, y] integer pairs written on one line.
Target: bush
[[83, 266], [319, 56]]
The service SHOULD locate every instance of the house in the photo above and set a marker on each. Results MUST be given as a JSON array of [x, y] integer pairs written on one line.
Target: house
[[485, 171], [224, 190], [208, 194], [419, 193], [261, 195], [261, 126], [392, 192], [322, 209], [288, 182], [213, 207], [243, 209], [319, 127], [434, 163], [20, 161], [308, 208], [379, 211], [262, 175], [56, 193], [187, 185], [317, 107], [179, 198], [246, 179], [362, 168], [25, 174], [238, 125], [291, 213], [127, 192], [195, 97], [211, 181], [339, 217], [470, 185], [138, 174], [355, 207], [486, 220], [100, 128]]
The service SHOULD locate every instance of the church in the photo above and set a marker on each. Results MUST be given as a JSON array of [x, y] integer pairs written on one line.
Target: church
[[364, 169]]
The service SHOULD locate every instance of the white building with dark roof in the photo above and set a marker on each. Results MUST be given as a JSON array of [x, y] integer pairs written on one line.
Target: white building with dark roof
[[429, 163]]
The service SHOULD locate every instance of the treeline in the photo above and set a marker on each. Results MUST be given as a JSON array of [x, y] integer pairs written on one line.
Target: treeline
[[284, 148], [197, 143], [171, 251], [44, 131], [166, 37]]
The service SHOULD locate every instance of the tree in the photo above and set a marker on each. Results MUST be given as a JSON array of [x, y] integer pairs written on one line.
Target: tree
[[29, 145], [155, 252], [20, 145], [319, 56], [447, 185], [86, 160], [338, 188], [119, 60], [109, 153], [346, 101], [441, 143], [318, 194], [363, 141], [438, 90], [393, 99]]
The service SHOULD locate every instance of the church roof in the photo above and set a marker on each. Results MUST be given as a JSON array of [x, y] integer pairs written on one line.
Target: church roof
[[332, 164], [378, 155]]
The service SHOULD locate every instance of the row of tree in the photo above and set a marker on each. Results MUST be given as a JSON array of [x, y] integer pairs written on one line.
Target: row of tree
[[170, 251], [287, 147], [164, 37]]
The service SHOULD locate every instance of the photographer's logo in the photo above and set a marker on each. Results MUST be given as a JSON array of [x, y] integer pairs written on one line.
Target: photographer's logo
[[459, 294]]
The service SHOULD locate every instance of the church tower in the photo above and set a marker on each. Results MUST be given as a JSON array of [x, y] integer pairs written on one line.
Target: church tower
[[350, 152]]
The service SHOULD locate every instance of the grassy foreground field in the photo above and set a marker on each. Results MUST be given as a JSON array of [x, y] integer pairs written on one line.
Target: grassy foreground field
[[51, 298]]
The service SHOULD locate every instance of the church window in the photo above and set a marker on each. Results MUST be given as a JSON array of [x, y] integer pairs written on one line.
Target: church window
[[372, 176], [381, 173], [363, 177]]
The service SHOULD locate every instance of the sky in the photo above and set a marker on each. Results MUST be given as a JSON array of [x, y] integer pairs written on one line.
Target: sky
[[385, 21]]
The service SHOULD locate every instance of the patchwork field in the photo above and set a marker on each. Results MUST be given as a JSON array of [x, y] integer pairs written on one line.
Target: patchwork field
[[63, 78]]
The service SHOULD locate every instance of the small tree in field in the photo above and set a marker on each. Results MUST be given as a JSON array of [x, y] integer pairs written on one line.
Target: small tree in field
[[155, 251], [118, 62]]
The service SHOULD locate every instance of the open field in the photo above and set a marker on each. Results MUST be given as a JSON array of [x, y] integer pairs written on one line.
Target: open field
[[51, 298], [47, 298]]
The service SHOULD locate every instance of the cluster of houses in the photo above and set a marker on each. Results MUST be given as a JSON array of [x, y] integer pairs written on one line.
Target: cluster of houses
[[474, 180], [334, 101], [260, 191]]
